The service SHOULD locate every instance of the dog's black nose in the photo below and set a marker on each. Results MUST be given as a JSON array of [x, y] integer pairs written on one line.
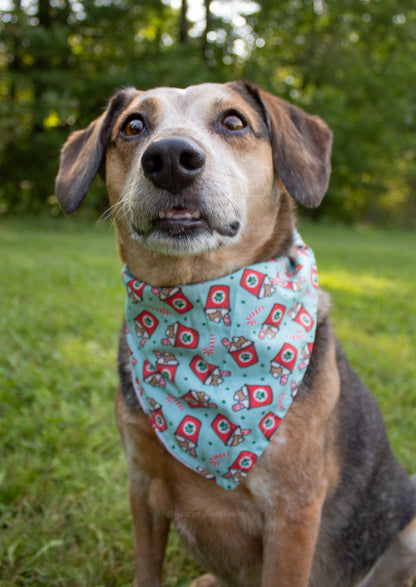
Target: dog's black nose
[[173, 163]]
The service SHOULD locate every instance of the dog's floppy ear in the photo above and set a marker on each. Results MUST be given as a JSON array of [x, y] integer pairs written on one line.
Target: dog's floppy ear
[[301, 145], [301, 150], [83, 153]]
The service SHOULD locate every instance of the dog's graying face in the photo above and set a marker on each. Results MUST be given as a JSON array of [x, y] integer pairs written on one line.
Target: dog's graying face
[[195, 164], [200, 169]]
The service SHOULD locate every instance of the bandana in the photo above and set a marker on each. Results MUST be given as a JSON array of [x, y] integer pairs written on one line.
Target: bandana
[[216, 364]]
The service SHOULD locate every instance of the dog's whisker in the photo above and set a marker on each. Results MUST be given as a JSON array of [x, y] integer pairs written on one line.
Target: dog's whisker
[[108, 213], [104, 217], [115, 211]]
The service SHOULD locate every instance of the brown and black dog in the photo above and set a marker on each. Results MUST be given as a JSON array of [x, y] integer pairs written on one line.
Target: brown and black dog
[[202, 181]]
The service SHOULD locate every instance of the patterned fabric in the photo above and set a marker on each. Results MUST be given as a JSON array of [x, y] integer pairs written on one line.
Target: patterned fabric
[[216, 365]]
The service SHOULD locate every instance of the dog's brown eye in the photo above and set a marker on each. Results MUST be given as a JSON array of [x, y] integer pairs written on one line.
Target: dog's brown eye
[[134, 127], [233, 122]]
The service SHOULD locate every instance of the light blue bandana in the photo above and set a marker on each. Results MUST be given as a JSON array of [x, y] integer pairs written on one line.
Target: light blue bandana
[[217, 364]]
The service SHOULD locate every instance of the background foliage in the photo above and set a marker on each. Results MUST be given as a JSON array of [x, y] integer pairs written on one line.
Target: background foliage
[[352, 62]]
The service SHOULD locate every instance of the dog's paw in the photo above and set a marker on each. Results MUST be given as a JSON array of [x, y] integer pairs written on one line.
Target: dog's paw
[[205, 581]]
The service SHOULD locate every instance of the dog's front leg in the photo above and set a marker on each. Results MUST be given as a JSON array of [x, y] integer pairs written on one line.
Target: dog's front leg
[[289, 544], [150, 535], [150, 528]]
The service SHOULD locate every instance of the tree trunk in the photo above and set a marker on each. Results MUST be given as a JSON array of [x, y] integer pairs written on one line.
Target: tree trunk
[[207, 4], [183, 36]]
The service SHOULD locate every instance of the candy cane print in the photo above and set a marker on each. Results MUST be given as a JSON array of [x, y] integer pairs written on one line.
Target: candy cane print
[[210, 351], [250, 318], [215, 460], [164, 311], [171, 398]]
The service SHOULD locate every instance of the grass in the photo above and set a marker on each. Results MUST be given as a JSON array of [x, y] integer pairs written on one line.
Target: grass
[[63, 484]]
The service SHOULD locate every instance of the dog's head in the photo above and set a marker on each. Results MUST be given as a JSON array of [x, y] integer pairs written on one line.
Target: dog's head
[[207, 172]]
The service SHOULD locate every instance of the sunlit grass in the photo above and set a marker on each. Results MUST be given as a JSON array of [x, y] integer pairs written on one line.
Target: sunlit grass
[[371, 276], [64, 514]]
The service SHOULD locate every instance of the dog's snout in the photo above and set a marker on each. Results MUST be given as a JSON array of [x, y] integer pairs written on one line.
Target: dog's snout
[[173, 163]]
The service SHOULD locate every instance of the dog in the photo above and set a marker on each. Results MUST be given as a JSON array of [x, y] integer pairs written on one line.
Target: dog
[[202, 183]]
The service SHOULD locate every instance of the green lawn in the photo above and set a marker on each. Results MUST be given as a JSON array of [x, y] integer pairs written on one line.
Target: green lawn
[[63, 486]]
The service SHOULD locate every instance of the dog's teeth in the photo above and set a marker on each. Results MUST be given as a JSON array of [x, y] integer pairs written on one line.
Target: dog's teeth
[[180, 215]]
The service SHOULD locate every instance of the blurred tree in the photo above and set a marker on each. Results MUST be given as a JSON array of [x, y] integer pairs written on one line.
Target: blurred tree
[[351, 62], [59, 61]]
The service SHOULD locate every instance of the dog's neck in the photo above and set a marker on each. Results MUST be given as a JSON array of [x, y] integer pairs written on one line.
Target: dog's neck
[[273, 239]]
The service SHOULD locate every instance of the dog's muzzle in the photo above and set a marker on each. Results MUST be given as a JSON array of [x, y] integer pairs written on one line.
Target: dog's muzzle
[[176, 214], [172, 164]]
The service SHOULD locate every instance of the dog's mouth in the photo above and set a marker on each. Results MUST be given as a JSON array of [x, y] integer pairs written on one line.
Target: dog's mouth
[[179, 226], [179, 221], [183, 229]]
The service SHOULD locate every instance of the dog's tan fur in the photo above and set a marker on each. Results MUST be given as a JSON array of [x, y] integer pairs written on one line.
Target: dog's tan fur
[[270, 530]]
